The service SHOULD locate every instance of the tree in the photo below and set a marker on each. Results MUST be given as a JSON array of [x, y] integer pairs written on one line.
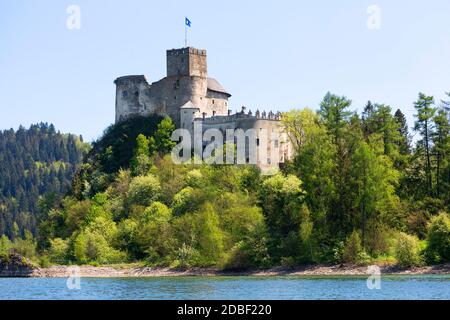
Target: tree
[[313, 162], [402, 127], [374, 180], [141, 162], [352, 249], [5, 245], [281, 199], [345, 132], [407, 250], [335, 114], [388, 129], [424, 125], [441, 150], [438, 239], [163, 134], [366, 117]]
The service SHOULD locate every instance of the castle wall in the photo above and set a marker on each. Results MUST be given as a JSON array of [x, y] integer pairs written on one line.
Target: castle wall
[[279, 144]]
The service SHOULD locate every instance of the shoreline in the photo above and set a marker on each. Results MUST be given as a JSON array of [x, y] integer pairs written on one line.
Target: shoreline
[[148, 272]]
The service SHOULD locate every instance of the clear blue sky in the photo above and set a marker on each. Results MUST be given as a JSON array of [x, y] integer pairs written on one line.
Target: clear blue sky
[[274, 55]]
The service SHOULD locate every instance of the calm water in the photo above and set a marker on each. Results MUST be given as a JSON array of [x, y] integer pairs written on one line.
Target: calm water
[[393, 287]]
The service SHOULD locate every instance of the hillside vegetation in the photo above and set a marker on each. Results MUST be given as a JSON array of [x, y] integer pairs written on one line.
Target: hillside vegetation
[[356, 191], [34, 162]]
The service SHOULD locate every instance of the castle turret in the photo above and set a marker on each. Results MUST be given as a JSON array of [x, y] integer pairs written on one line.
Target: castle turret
[[188, 62], [128, 92]]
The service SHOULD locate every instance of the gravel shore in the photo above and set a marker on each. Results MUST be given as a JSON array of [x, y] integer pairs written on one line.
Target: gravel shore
[[316, 270]]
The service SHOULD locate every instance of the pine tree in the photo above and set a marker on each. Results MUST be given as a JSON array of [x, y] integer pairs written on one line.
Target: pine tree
[[404, 142], [424, 125]]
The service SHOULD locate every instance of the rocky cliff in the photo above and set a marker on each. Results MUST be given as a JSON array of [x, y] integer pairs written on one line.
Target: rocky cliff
[[14, 265]]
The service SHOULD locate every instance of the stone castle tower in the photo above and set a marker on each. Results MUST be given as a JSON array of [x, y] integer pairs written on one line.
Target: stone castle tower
[[186, 80], [190, 98]]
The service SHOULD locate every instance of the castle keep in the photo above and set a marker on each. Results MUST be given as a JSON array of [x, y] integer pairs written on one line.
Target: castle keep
[[189, 96]]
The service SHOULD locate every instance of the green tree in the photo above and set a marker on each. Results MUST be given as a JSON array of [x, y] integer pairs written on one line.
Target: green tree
[[352, 248], [5, 245], [407, 251], [141, 162], [313, 163], [374, 180], [424, 125], [281, 199], [402, 127], [438, 239], [163, 134], [335, 114], [441, 150]]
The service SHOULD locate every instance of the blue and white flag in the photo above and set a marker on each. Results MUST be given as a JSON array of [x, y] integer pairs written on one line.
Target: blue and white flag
[[187, 22]]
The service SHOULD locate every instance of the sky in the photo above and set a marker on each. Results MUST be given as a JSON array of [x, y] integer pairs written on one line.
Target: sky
[[271, 55]]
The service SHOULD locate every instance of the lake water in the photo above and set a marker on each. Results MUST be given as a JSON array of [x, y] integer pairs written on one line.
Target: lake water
[[228, 288]]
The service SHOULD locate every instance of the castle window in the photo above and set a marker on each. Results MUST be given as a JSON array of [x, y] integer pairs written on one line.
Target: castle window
[[269, 161], [257, 141], [276, 143], [124, 93], [175, 97], [136, 93], [213, 101]]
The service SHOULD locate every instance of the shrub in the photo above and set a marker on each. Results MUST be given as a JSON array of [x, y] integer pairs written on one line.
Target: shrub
[[438, 238], [352, 249], [407, 250], [288, 262], [187, 257], [58, 250]]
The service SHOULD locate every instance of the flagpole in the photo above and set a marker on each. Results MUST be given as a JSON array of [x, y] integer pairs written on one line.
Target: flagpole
[[185, 34]]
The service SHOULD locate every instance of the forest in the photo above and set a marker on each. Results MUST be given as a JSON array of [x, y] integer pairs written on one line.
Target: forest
[[34, 163], [359, 190]]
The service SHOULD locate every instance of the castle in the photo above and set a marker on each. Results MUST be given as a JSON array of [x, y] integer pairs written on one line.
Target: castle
[[190, 97]]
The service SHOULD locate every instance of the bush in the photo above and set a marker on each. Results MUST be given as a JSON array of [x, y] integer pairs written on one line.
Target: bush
[[352, 249], [438, 238], [407, 250], [58, 250], [187, 257]]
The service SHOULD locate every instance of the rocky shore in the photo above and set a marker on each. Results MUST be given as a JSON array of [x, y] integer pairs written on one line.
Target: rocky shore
[[316, 270], [17, 266], [14, 265]]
